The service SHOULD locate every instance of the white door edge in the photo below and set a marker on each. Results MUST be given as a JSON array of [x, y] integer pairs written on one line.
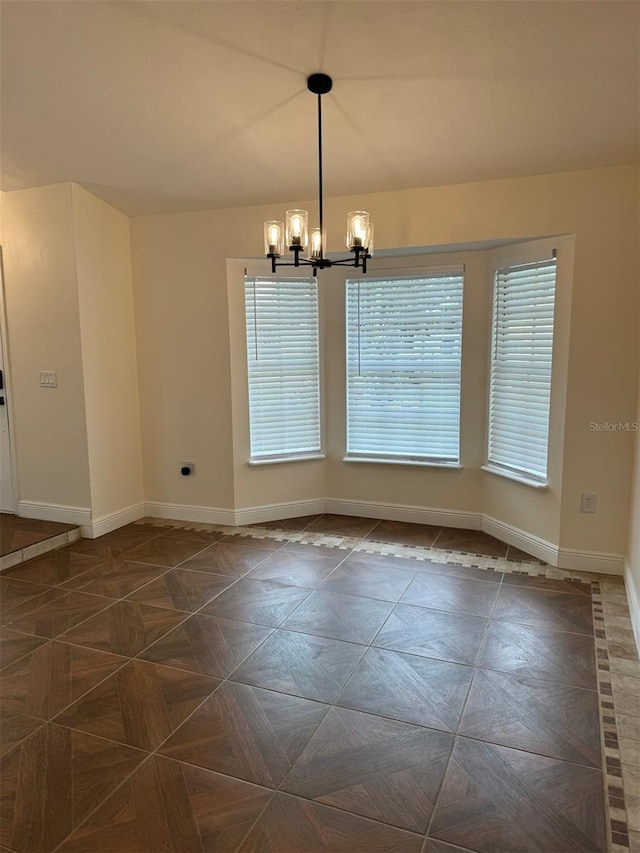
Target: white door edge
[[8, 496]]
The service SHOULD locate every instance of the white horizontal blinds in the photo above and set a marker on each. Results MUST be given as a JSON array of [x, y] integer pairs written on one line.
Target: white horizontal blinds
[[522, 350], [283, 366], [404, 344]]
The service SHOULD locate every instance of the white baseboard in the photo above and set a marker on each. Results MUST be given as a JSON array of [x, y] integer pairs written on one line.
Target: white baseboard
[[294, 509], [527, 542], [55, 512], [273, 512], [564, 558], [89, 528], [195, 514], [633, 597], [403, 512], [590, 561], [113, 520]]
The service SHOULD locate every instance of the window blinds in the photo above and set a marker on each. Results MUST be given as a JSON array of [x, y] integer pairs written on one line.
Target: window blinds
[[283, 366], [522, 348], [404, 344]]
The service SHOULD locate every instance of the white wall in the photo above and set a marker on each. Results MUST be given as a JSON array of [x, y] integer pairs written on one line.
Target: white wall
[[44, 334], [183, 334], [632, 566], [182, 330], [69, 306], [109, 363]]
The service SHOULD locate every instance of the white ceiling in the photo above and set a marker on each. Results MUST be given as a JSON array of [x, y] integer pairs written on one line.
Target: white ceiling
[[167, 106]]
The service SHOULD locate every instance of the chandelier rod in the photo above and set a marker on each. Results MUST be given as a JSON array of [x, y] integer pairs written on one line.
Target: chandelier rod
[[320, 198]]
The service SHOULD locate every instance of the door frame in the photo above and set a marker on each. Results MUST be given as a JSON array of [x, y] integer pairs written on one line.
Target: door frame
[[4, 341]]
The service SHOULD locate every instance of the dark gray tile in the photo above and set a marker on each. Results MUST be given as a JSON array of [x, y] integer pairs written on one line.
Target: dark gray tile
[[340, 617], [301, 664], [540, 653], [357, 576], [408, 688], [455, 637], [459, 595], [537, 716], [256, 601]]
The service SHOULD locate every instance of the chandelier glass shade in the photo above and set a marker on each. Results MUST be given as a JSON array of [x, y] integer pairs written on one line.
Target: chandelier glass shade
[[308, 247]]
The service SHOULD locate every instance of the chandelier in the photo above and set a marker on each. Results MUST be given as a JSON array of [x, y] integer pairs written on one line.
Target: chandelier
[[308, 247]]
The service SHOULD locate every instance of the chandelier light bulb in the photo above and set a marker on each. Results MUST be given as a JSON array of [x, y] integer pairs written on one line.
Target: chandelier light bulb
[[297, 228], [357, 229], [317, 239], [274, 238]]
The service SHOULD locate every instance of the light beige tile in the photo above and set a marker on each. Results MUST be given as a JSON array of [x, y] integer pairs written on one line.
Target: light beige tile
[[618, 814], [10, 560], [627, 703], [608, 583], [615, 608], [634, 842], [623, 649], [557, 574], [628, 727], [621, 666], [619, 637], [631, 779], [39, 548], [625, 684], [619, 623], [583, 576], [629, 751], [633, 812], [615, 598]]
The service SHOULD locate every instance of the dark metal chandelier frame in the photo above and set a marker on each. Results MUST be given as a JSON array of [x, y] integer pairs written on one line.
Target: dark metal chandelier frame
[[359, 230]]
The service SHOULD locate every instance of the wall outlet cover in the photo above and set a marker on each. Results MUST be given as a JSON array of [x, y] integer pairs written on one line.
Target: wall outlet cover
[[588, 502]]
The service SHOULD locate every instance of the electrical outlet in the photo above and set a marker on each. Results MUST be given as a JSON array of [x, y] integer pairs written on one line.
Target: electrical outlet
[[588, 502], [48, 379]]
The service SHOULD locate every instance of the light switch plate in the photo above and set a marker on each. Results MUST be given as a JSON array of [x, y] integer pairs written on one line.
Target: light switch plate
[[48, 379]]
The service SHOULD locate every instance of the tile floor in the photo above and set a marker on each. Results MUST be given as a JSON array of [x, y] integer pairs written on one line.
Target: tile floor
[[22, 539], [327, 683]]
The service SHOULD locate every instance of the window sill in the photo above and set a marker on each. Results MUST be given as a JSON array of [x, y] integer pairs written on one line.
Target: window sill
[[279, 459], [517, 478], [456, 466]]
